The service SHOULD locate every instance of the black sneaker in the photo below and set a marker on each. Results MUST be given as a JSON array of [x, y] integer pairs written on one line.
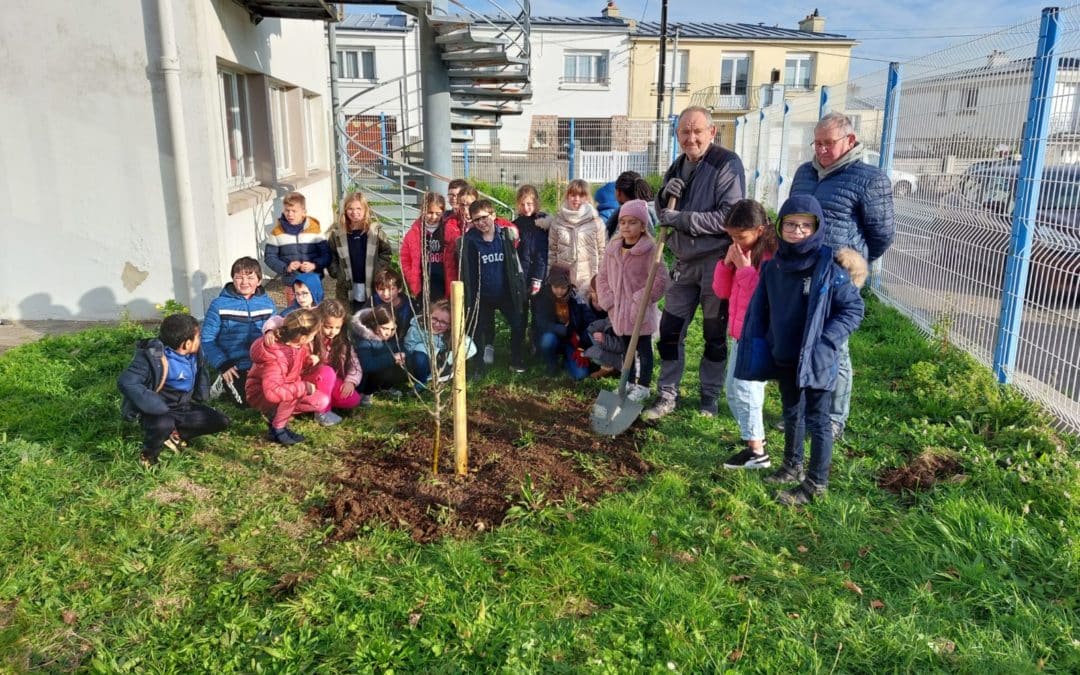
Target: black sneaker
[[748, 459], [708, 407], [149, 458], [787, 473], [283, 436], [296, 438], [802, 494]]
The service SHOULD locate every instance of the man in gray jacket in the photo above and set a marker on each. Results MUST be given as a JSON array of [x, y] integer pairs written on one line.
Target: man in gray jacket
[[706, 180], [858, 204]]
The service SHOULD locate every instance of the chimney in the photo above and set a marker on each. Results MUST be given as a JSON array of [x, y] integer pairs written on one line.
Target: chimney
[[997, 58], [813, 23], [611, 11]]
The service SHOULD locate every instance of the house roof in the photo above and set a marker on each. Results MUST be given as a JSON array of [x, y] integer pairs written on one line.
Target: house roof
[[735, 31], [579, 22], [986, 70], [394, 23]]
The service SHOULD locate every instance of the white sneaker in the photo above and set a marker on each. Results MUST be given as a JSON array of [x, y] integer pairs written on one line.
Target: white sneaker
[[328, 418], [637, 393], [489, 355]]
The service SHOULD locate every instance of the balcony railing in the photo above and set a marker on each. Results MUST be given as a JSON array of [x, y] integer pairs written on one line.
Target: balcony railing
[[585, 81], [720, 98]]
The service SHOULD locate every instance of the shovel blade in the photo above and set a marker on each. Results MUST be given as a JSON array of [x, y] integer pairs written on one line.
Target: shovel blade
[[613, 414]]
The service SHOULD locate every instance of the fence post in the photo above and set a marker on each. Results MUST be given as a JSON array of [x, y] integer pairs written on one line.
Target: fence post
[[762, 150], [570, 150], [781, 172], [465, 158], [888, 143], [674, 136], [383, 144], [1028, 186], [888, 124], [823, 103], [738, 136]]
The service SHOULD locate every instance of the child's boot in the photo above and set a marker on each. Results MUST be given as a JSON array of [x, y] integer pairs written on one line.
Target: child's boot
[[282, 436]]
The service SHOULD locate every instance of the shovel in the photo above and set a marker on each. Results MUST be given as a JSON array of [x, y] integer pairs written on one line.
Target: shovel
[[613, 412]]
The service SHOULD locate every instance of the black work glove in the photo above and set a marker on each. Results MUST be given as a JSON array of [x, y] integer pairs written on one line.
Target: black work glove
[[676, 220], [673, 188]]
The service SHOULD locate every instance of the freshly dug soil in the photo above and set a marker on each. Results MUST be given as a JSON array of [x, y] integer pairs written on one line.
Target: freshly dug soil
[[514, 441], [921, 473]]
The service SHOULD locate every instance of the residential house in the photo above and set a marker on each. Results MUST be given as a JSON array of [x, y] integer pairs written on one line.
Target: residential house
[[147, 145], [726, 67], [979, 113], [378, 85]]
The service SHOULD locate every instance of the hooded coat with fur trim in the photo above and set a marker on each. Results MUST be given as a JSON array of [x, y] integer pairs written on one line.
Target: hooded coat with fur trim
[[834, 310]]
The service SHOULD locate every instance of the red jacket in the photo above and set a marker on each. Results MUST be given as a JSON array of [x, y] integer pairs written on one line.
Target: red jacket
[[275, 374], [412, 257], [738, 287]]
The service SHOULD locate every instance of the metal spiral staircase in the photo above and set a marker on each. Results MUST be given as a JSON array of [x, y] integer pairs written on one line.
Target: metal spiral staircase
[[487, 65]]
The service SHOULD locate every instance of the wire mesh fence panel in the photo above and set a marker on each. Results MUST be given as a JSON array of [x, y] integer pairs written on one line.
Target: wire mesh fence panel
[[960, 131]]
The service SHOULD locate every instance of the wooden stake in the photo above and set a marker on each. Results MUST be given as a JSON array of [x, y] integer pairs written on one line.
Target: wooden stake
[[457, 325]]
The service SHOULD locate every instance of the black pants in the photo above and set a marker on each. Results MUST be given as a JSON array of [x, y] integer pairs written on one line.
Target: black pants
[[189, 421], [644, 357], [485, 324]]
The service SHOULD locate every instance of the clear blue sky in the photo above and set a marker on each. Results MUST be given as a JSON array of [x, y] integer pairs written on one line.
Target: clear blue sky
[[887, 30]]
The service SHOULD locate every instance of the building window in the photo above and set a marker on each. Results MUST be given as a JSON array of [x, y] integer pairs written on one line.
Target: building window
[[797, 71], [734, 72], [943, 105], [312, 127], [585, 67], [356, 64], [970, 100], [236, 130], [681, 67], [279, 116]]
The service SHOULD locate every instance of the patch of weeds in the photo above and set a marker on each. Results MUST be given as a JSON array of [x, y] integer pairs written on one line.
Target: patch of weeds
[[526, 440]]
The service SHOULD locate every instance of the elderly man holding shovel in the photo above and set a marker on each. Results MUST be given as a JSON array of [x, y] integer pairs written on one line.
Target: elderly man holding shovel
[[705, 180]]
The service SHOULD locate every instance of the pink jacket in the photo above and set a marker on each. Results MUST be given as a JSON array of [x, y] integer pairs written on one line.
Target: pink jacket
[[275, 374], [620, 285], [351, 373], [738, 287]]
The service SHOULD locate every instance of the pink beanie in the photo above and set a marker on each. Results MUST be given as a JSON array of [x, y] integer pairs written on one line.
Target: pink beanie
[[636, 208]]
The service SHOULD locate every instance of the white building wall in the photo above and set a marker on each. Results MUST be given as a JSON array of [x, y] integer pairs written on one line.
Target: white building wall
[[551, 97], [395, 56], [86, 153]]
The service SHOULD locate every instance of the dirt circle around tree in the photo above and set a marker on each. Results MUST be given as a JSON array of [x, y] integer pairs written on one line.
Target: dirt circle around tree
[[525, 452]]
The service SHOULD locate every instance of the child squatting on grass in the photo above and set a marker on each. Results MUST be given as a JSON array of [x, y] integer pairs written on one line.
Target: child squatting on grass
[[164, 388], [804, 306], [417, 351], [753, 243], [276, 385]]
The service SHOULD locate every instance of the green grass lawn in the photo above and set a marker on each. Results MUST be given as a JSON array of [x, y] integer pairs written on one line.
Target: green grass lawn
[[211, 563]]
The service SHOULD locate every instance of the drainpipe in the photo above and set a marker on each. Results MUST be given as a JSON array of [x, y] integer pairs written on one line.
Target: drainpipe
[[170, 70]]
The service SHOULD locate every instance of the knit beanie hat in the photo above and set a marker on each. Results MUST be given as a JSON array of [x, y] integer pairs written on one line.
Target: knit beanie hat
[[636, 208], [558, 275]]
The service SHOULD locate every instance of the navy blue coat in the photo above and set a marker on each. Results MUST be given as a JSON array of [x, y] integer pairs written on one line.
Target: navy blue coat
[[545, 321], [142, 380], [858, 204], [835, 311]]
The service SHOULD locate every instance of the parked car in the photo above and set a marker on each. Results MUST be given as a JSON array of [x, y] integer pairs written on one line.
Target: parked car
[[904, 184], [973, 227]]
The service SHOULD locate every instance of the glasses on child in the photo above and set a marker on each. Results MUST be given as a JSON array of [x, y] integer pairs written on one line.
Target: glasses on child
[[483, 218], [791, 226], [436, 321]]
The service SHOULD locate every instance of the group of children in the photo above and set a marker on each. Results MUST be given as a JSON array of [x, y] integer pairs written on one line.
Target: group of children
[[557, 278]]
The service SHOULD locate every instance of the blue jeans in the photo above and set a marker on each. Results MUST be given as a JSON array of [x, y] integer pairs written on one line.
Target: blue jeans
[[841, 400], [814, 405], [746, 398], [552, 347]]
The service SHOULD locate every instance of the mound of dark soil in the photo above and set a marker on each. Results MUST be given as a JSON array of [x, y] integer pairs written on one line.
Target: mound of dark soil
[[514, 441], [921, 473]]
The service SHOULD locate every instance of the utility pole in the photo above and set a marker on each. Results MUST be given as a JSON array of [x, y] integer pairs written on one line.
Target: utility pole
[[658, 131], [661, 77], [674, 72]]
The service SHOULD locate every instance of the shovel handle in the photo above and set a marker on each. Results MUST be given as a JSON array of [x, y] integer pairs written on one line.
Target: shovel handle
[[631, 351]]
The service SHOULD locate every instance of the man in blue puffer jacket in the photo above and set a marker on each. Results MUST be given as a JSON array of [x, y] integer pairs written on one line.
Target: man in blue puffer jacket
[[857, 201]]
